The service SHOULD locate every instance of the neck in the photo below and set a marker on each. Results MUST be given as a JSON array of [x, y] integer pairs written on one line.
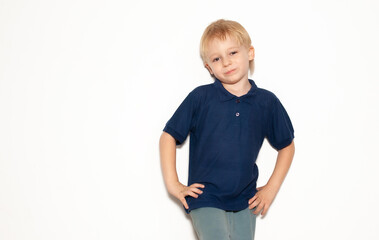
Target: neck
[[238, 89]]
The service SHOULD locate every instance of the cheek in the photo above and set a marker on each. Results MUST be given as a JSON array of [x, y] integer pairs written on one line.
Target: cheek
[[217, 70], [245, 62], [213, 68]]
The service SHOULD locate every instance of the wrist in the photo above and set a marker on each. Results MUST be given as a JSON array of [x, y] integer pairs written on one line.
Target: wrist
[[273, 186], [173, 186]]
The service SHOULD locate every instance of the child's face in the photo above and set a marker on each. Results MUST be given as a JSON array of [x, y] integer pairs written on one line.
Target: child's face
[[228, 61]]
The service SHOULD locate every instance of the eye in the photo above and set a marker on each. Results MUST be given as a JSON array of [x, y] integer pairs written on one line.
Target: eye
[[215, 59], [234, 52]]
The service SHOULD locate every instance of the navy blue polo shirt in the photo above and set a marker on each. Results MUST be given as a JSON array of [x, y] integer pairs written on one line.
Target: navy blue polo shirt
[[226, 134]]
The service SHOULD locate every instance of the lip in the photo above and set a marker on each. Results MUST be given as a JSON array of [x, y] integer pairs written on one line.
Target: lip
[[230, 71]]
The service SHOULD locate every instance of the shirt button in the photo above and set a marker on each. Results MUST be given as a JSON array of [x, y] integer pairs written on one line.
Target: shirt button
[[237, 101], [237, 114]]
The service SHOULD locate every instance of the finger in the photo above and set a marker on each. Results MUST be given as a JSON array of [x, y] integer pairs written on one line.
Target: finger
[[184, 202], [254, 204], [192, 194], [253, 199], [259, 188], [196, 190], [258, 209], [197, 185], [256, 196], [265, 209]]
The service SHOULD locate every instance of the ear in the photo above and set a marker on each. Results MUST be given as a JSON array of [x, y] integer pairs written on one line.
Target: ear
[[209, 68], [251, 53]]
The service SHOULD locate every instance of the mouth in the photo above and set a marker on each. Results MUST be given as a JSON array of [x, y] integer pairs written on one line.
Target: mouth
[[230, 71]]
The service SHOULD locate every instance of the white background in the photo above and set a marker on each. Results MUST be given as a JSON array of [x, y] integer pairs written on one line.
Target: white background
[[86, 88]]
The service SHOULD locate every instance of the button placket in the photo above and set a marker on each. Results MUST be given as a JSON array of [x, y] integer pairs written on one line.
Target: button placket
[[237, 112]]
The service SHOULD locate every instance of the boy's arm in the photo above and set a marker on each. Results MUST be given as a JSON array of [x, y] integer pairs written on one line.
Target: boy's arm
[[266, 194], [167, 147]]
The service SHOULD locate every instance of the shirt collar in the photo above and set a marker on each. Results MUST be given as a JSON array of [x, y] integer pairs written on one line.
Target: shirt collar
[[225, 95]]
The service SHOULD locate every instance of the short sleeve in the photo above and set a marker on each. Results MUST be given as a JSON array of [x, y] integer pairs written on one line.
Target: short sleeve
[[280, 132], [181, 123]]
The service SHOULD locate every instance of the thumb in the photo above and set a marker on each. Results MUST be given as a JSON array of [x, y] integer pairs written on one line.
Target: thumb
[[260, 188]]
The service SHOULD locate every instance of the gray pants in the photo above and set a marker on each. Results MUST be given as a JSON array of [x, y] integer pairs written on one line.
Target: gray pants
[[217, 224]]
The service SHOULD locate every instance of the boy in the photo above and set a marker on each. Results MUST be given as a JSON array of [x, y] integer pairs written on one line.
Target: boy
[[227, 121]]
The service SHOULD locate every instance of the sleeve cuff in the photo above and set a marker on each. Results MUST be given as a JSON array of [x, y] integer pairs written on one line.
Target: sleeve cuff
[[284, 143], [178, 137]]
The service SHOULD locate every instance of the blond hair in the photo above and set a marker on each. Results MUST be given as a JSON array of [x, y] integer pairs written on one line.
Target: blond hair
[[221, 29]]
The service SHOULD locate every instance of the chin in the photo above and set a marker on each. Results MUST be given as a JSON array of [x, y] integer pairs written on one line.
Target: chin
[[230, 80]]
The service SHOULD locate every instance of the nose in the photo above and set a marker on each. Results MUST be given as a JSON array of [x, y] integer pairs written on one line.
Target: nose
[[226, 61]]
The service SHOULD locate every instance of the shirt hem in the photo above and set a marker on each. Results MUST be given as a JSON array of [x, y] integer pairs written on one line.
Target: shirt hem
[[240, 205]]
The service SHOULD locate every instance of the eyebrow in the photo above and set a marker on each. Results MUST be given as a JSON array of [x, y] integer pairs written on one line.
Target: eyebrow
[[231, 48]]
